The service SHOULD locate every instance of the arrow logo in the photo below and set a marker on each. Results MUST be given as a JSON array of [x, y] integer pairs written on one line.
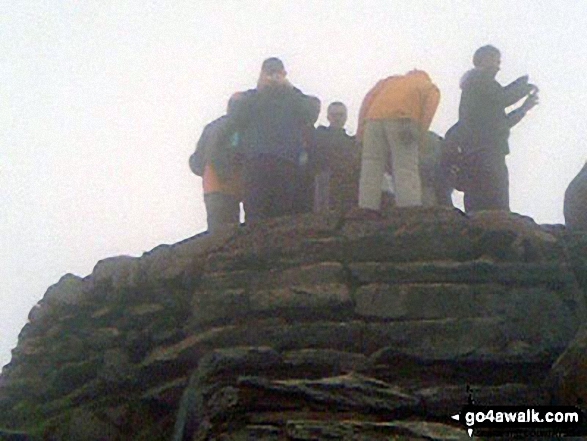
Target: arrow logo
[[457, 417]]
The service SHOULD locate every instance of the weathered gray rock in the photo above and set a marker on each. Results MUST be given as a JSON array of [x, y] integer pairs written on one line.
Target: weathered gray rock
[[347, 392], [520, 308], [212, 381], [204, 403], [568, 378], [168, 393], [70, 290], [307, 327], [238, 360], [575, 206], [279, 242], [146, 309], [117, 273], [116, 368], [84, 425], [70, 376], [313, 290], [442, 400], [310, 430], [179, 358], [576, 246], [103, 339], [411, 301], [310, 363], [162, 264], [446, 339], [399, 240], [10, 435], [470, 273]]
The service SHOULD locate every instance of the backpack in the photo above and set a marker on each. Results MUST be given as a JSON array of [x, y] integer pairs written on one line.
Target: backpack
[[197, 162], [452, 160], [212, 135]]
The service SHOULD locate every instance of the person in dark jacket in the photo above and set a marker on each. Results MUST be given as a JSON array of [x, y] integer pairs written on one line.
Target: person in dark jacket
[[339, 163], [273, 120], [483, 130]]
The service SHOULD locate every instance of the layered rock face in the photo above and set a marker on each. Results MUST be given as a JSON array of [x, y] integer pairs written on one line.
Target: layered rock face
[[303, 328]]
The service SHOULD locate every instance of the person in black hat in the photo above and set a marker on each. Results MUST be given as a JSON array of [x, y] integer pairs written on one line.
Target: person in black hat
[[273, 119]]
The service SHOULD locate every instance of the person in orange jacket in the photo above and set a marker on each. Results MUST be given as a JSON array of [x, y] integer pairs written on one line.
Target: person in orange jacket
[[394, 119], [215, 160]]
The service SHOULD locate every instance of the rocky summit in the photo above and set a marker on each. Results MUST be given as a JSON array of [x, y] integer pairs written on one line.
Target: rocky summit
[[307, 328]]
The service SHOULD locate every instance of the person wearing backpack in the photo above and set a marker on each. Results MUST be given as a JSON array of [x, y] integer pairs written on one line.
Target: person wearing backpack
[[483, 129], [216, 161]]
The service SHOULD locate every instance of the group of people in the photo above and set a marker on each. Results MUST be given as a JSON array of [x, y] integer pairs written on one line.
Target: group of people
[[266, 152]]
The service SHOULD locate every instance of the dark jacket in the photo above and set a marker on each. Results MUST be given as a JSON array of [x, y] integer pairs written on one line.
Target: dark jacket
[[338, 160], [272, 122], [215, 146], [208, 138], [333, 145], [483, 122]]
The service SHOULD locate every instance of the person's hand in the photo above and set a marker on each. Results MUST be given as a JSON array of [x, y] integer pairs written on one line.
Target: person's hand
[[274, 80], [530, 101], [282, 80], [522, 80], [533, 89], [263, 81]]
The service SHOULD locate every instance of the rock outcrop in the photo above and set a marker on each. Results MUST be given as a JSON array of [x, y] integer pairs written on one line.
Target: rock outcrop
[[575, 206], [303, 328]]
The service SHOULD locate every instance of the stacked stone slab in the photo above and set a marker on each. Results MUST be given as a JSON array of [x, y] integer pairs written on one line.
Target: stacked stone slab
[[308, 327]]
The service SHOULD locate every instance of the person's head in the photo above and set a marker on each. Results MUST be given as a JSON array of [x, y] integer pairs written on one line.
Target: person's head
[[272, 72], [272, 65], [337, 115], [487, 58], [317, 104]]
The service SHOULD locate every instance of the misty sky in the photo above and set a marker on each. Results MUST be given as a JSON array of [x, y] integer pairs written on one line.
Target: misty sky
[[101, 103]]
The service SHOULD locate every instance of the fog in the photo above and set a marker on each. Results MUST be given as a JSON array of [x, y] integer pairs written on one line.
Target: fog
[[102, 103]]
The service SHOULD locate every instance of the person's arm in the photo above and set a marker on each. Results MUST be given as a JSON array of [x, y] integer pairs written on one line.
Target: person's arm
[[365, 105], [201, 155], [517, 115], [240, 112], [306, 107], [515, 91], [491, 94]]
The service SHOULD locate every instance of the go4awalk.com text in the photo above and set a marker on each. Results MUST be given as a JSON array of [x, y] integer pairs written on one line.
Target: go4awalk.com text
[[539, 420]]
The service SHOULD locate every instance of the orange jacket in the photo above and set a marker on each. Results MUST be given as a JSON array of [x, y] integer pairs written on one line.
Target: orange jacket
[[211, 183], [412, 96]]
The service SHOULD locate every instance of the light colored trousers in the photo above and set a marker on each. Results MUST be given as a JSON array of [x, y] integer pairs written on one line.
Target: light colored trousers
[[395, 142]]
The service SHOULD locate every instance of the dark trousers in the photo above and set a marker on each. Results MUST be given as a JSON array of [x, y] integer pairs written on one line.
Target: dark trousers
[[273, 187], [221, 209], [487, 182]]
